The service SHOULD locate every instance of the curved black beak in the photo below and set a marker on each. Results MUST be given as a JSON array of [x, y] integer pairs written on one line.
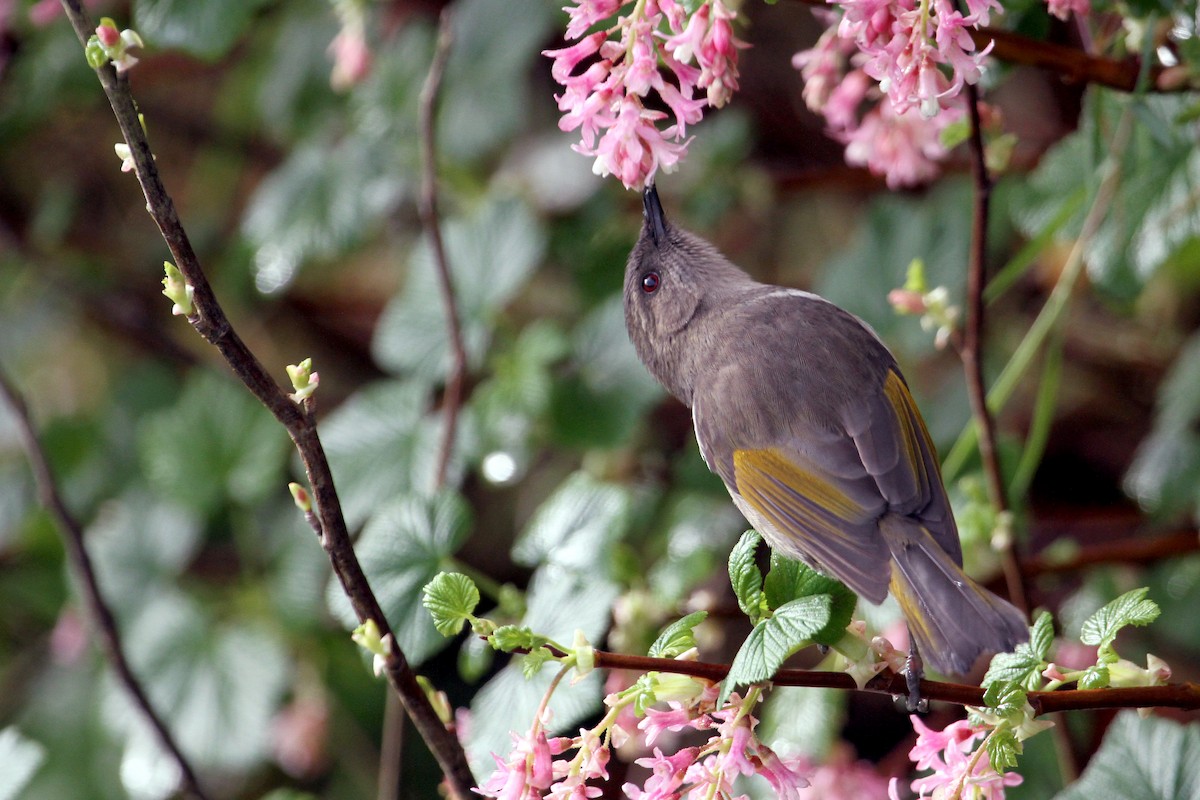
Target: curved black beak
[[656, 220]]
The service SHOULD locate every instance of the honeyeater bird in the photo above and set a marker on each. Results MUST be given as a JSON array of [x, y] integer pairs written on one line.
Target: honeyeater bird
[[803, 412]]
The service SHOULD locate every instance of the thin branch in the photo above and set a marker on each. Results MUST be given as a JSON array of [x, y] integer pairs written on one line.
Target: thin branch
[[427, 208], [1176, 695], [210, 322], [972, 347], [1133, 550], [93, 599]]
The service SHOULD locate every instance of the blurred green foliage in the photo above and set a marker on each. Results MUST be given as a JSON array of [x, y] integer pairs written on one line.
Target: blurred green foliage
[[574, 487]]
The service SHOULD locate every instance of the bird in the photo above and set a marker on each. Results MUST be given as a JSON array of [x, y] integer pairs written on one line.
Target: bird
[[804, 414]]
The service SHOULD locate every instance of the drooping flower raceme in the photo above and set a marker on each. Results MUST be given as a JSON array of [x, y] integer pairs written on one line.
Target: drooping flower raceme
[[961, 767], [907, 62], [615, 87]]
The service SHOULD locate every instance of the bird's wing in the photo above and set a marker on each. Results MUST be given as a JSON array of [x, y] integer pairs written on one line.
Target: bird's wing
[[895, 449], [823, 488]]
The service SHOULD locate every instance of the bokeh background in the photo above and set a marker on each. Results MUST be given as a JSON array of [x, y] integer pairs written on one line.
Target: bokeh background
[[576, 494]]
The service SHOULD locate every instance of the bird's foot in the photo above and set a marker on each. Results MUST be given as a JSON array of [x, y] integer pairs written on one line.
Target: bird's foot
[[913, 672]]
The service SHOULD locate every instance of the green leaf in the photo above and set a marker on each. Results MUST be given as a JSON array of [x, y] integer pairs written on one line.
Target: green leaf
[[746, 578], [1005, 698], [1131, 608], [1166, 468], [485, 98], [678, 637], [790, 579], [1041, 635], [515, 637], [21, 758], [138, 545], [382, 443], [1024, 665], [605, 396], [207, 30], [1147, 759], [791, 627], [327, 196], [401, 549], [1003, 749], [217, 443], [218, 686], [1151, 217], [490, 253], [450, 598], [576, 526], [1095, 677]]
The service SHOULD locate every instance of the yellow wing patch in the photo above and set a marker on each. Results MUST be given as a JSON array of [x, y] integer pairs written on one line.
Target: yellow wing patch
[[791, 496], [914, 436]]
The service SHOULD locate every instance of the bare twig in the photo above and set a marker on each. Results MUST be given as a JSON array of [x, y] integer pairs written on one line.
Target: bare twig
[[210, 322], [972, 347], [428, 210], [93, 599]]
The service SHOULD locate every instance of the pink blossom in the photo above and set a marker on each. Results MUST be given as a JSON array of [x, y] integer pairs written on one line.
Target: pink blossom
[[351, 58], [903, 147], [607, 101], [957, 763], [843, 778], [656, 722], [668, 773], [1064, 8], [527, 772]]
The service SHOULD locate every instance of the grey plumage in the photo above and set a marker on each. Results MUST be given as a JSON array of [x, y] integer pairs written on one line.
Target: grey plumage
[[802, 411]]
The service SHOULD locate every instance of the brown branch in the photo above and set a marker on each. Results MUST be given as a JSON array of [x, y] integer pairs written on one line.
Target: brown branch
[[93, 599], [427, 209], [1176, 695], [210, 322], [972, 346], [1125, 551]]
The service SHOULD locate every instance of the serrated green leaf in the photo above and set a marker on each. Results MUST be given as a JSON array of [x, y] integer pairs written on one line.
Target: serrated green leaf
[[1003, 749], [1023, 667], [215, 444], [1094, 677], [576, 525], [450, 598], [1005, 698], [773, 640], [21, 757], [401, 549], [533, 661], [678, 637], [207, 30], [790, 579], [1147, 759], [383, 443], [746, 578], [1166, 468], [218, 685], [1041, 635], [1131, 608], [485, 98], [507, 638], [490, 253], [327, 196]]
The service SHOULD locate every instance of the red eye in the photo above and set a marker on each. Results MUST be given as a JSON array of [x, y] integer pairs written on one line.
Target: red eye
[[650, 282]]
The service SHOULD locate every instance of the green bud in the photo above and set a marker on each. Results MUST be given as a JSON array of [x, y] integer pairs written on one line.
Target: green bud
[[304, 380], [178, 291], [301, 498]]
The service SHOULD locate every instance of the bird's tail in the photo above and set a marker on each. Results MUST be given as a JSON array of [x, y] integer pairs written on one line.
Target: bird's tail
[[953, 619]]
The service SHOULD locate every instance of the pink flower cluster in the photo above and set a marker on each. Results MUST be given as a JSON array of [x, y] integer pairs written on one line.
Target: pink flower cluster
[[911, 59], [960, 769], [708, 771], [607, 99]]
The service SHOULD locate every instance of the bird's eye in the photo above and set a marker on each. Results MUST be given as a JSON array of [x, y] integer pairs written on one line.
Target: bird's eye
[[651, 282]]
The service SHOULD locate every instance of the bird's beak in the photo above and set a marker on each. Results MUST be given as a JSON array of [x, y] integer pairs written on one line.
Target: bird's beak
[[656, 220]]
